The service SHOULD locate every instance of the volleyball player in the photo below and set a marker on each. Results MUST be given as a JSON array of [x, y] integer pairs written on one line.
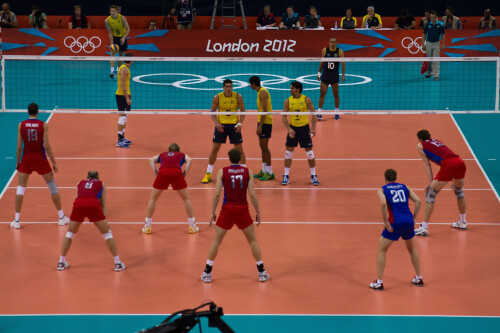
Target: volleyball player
[[123, 101], [170, 173], [452, 168], [226, 125], [264, 128], [118, 30], [399, 222], [299, 131], [329, 76], [90, 203], [33, 134], [237, 182]]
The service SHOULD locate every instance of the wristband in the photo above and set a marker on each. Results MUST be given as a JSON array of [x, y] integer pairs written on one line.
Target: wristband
[[319, 73], [238, 124]]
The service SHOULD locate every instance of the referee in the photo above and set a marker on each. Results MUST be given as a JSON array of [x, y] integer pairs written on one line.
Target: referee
[[433, 33]]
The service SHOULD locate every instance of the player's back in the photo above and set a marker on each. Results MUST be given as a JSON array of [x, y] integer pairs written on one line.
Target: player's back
[[89, 188], [171, 159], [235, 180], [437, 151], [32, 135], [397, 196]]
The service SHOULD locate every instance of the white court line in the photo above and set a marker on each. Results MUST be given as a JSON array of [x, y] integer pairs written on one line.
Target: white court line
[[475, 158], [267, 222], [15, 171], [256, 159]]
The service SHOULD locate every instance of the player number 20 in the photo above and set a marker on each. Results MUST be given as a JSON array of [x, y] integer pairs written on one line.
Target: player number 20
[[331, 65], [398, 196], [235, 178], [32, 134]]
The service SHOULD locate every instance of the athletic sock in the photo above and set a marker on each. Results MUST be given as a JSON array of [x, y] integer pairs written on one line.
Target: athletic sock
[[244, 165], [149, 220], [270, 169], [313, 171], [208, 266], [260, 266], [380, 281], [337, 110], [191, 221], [62, 258], [210, 168], [17, 216], [320, 109], [418, 277], [462, 218], [120, 135], [61, 213], [112, 69], [425, 225], [287, 171], [264, 167], [117, 259]]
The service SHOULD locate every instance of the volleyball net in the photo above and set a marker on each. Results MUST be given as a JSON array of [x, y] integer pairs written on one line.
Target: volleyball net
[[187, 85]]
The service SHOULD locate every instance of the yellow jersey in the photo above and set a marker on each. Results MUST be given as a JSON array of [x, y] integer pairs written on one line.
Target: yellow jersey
[[228, 104], [268, 118], [117, 26], [119, 91], [298, 105]]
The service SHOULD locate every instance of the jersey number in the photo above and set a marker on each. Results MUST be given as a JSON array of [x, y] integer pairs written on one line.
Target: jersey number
[[331, 65], [297, 116], [88, 185], [437, 143], [398, 196], [235, 178], [32, 134]]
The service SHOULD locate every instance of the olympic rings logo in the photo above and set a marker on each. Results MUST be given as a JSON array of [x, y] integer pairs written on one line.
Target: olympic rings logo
[[412, 46], [82, 43], [195, 79]]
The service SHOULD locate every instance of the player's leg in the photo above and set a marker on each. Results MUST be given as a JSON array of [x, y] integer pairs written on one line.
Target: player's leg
[[243, 159], [112, 64], [249, 233], [266, 159], [219, 234], [263, 146], [22, 179], [311, 160], [457, 187], [430, 199], [188, 207], [155, 194], [383, 246], [211, 160], [288, 164], [73, 228], [56, 198], [104, 229], [323, 89], [335, 91], [415, 260]]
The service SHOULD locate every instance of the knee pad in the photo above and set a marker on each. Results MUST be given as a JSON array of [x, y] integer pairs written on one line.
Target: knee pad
[[288, 155], [108, 235], [459, 191], [70, 235], [122, 120], [310, 155], [431, 195], [20, 190], [53, 187]]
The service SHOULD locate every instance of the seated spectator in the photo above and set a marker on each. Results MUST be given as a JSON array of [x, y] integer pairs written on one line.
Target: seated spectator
[[266, 18], [450, 21], [37, 18], [152, 25], [405, 21], [348, 21], [312, 20], [8, 18], [371, 20], [186, 14], [78, 20], [290, 19], [425, 19], [487, 22]]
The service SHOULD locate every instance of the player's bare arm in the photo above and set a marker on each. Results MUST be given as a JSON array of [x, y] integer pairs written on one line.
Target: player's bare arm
[[264, 98], [253, 198], [241, 105], [323, 52], [152, 163], [48, 148], [127, 30], [284, 117], [19, 149], [417, 201], [310, 107], [383, 204], [103, 199], [427, 163], [215, 105], [215, 201], [189, 161], [341, 55], [110, 32]]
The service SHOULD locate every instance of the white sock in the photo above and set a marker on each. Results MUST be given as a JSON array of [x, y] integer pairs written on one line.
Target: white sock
[[210, 168], [260, 262], [337, 110], [210, 262], [264, 167], [117, 259], [61, 213], [287, 171], [120, 132], [244, 165], [112, 69], [62, 259], [270, 169], [320, 109], [380, 281], [418, 277], [191, 221], [425, 225], [17, 216], [462, 218], [149, 220], [313, 171]]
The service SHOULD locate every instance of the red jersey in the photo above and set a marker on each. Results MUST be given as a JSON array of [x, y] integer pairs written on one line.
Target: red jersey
[[89, 188], [235, 180], [32, 136], [437, 151], [171, 159]]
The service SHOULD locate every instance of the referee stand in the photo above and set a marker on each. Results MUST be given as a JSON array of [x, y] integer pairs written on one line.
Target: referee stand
[[228, 11]]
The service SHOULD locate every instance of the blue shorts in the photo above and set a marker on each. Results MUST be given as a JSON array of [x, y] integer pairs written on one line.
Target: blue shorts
[[329, 78], [302, 136], [123, 47], [229, 131], [267, 129], [404, 230], [121, 103]]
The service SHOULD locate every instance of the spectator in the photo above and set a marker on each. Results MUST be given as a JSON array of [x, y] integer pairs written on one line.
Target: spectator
[[371, 20], [37, 18], [186, 14], [450, 21], [425, 19], [8, 18], [266, 18], [348, 21], [78, 20], [290, 19], [312, 20], [433, 34], [405, 21], [488, 22], [152, 25]]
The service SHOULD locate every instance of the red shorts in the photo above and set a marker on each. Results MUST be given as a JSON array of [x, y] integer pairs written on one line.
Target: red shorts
[[451, 168], [169, 176], [234, 214], [87, 207], [30, 163]]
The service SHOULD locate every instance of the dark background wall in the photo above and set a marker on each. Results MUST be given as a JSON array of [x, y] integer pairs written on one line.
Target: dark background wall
[[252, 8]]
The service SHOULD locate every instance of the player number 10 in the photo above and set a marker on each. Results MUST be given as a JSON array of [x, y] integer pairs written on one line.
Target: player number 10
[[331, 65], [398, 196], [237, 177]]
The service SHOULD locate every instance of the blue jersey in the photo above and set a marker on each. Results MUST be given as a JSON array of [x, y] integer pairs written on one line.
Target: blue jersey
[[397, 196]]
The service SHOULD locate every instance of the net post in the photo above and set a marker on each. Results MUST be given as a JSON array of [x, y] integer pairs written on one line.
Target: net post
[[497, 90], [2, 70]]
